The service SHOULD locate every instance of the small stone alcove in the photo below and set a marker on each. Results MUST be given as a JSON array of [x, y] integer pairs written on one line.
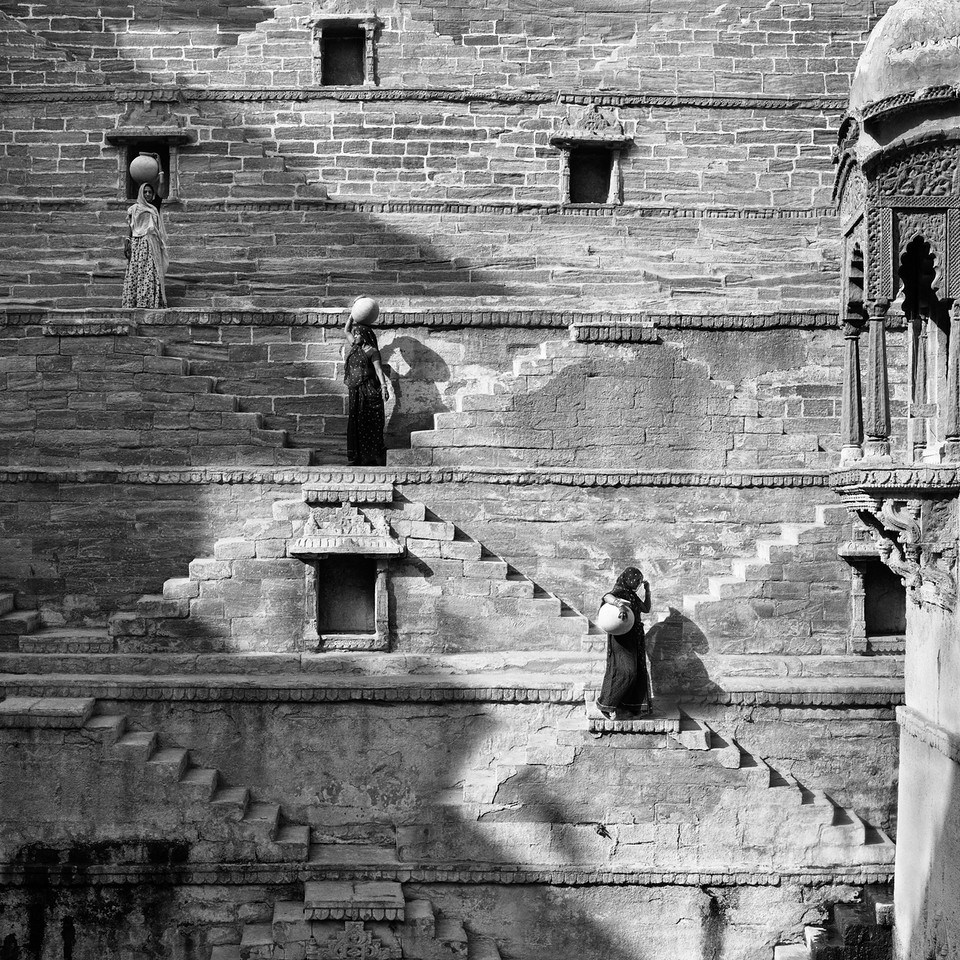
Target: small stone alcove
[[163, 141], [346, 553], [590, 160], [344, 51], [878, 614]]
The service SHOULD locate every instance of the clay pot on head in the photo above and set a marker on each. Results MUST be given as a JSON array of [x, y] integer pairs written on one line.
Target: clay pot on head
[[144, 169], [365, 310]]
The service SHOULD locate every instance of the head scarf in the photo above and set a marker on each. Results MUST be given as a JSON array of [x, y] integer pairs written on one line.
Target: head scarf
[[367, 337], [145, 221], [630, 579]]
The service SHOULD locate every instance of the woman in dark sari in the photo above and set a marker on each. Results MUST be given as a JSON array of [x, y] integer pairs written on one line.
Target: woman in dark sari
[[626, 685], [367, 387]]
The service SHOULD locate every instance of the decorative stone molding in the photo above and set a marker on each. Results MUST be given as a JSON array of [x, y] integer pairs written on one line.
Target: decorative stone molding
[[87, 328], [353, 901], [851, 693], [614, 333], [483, 207], [331, 492], [560, 876], [592, 129], [352, 941], [624, 326], [607, 98], [565, 477], [921, 728]]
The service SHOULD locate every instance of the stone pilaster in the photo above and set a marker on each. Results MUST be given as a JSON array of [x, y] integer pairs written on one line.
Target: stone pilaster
[[877, 420], [851, 415], [951, 414]]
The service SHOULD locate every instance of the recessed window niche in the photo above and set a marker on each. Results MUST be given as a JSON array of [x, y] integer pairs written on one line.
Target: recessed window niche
[[346, 596], [590, 155], [164, 142], [344, 51]]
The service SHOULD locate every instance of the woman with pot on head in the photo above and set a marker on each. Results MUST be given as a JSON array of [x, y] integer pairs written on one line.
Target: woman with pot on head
[[146, 250], [626, 684], [367, 386]]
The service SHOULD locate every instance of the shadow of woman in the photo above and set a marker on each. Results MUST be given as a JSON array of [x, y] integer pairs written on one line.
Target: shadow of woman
[[677, 671], [415, 372]]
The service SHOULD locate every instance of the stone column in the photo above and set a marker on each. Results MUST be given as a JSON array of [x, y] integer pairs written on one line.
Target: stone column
[[851, 414], [877, 421], [951, 413]]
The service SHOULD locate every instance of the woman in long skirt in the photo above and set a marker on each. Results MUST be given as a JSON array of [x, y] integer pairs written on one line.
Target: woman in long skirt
[[146, 246], [626, 684], [367, 387]]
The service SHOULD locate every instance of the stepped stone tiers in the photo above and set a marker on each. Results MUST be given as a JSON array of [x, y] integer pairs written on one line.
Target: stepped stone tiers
[[257, 704]]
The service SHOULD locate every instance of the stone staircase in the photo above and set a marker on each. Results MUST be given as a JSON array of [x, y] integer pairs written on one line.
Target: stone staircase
[[249, 594], [357, 919], [788, 593], [22, 630], [511, 805], [119, 400]]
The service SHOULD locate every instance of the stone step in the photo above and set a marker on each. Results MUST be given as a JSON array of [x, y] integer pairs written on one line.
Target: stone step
[[110, 727], [169, 762], [201, 782], [6, 603], [232, 801], [352, 854], [256, 942], [157, 606], [452, 935], [791, 951], [67, 640], [137, 745], [262, 818], [180, 588], [19, 622], [294, 841]]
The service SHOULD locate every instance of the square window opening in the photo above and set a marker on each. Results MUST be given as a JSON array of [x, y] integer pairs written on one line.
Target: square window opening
[[346, 596], [590, 169], [885, 601], [342, 52], [136, 147]]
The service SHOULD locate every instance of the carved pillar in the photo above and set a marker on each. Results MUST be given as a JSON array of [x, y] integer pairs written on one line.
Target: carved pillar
[[951, 417], [851, 415], [877, 421]]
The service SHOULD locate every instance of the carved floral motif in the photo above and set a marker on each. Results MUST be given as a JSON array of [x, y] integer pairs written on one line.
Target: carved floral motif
[[931, 174], [352, 943]]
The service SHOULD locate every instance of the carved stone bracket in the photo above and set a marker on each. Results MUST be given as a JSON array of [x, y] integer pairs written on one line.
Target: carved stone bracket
[[906, 540], [354, 942]]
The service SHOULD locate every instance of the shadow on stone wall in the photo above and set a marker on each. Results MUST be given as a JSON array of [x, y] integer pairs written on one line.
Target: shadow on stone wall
[[418, 395]]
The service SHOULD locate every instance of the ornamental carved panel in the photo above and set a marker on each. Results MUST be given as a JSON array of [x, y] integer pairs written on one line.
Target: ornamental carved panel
[[854, 197], [935, 173]]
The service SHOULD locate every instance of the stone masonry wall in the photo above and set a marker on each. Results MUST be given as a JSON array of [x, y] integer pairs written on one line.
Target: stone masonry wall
[[491, 779], [793, 49], [83, 551]]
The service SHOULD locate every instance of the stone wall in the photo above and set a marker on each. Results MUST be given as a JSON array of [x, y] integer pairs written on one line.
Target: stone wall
[[85, 550]]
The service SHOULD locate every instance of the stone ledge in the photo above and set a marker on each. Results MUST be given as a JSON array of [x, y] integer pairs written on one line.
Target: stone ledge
[[45, 712], [927, 731], [267, 203], [582, 324], [476, 873], [626, 98], [565, 477], [826, 692]]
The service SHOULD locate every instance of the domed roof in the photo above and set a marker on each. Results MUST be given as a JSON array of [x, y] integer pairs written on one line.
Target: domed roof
[[916, 45]]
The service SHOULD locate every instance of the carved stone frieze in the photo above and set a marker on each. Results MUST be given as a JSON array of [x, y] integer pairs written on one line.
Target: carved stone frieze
[[931, 173], [345, 530]]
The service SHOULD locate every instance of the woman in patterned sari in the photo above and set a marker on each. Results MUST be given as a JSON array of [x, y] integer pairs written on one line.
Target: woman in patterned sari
[[367, 387], [146, 249]]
